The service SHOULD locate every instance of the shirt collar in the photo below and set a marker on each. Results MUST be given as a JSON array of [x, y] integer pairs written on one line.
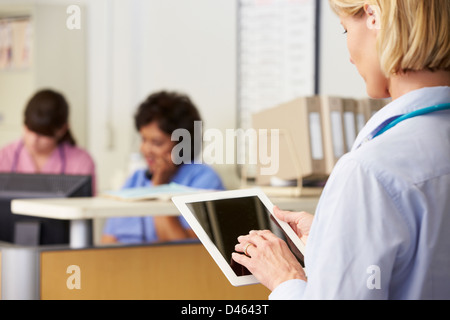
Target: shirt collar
[[414, 100]]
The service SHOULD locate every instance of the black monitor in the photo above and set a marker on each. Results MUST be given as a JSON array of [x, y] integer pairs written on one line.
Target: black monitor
[[25, 230]]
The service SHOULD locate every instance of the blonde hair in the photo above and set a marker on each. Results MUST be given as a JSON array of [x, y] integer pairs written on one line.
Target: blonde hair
[[414, 34]]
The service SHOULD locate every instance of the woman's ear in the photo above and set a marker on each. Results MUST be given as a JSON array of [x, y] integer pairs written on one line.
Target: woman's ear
[[373, 16]]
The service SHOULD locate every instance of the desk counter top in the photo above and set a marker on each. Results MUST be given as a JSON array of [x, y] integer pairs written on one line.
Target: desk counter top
[[88, 208], [99, 207]]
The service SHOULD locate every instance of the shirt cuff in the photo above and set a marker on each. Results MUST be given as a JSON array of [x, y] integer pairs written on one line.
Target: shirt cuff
[[289, 290]]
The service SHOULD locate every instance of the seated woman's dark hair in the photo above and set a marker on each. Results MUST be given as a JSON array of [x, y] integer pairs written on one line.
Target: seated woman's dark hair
[[46, 113], [171, 111]]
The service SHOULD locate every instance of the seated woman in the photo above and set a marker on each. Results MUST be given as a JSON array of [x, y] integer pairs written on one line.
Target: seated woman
[[156, 119], [47, 145]]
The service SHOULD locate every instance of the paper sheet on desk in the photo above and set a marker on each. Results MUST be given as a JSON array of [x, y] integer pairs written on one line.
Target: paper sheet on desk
[[161, 192]]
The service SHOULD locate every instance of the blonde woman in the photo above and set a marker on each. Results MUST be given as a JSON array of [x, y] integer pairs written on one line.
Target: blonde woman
[[381, 229]]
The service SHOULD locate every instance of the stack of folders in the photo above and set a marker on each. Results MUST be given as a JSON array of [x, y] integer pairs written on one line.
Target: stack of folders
[[314, 132]]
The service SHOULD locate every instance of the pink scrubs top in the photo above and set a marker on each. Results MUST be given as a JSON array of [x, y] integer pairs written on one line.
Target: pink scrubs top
[[66, 159]]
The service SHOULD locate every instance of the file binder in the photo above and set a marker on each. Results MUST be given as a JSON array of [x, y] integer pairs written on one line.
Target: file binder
[[366, 108], [301, 144], [314, 132], [333, 130], [362, 113], [350, 122]]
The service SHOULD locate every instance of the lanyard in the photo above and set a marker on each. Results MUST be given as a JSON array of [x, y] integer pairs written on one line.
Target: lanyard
[[393, 121], [62, 157]]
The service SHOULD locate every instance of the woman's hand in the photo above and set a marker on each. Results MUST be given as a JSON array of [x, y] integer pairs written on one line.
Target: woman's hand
[[300, 222], [163, 169], [268, 258]]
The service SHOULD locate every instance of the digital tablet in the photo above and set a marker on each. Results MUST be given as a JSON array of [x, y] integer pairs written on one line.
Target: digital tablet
[[219, 218]]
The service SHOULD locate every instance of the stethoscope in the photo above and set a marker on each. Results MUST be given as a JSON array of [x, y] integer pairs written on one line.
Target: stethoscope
[[393, 121], [62, 156]]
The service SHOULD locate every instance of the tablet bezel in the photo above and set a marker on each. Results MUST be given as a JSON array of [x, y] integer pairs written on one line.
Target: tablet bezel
[[181, 203]]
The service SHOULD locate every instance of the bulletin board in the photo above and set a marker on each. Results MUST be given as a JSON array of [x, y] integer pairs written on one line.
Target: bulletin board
[[278, 46]]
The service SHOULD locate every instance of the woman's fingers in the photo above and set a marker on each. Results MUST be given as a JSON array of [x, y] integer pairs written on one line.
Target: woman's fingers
[[281, 214], [267, 257], [300, 222]]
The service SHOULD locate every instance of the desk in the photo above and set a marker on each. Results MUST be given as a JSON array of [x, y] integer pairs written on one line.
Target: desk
[[80, 210], [175, 271], [155, 272]]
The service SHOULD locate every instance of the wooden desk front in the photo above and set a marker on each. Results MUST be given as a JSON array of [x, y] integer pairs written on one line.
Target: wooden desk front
[[166, 272]]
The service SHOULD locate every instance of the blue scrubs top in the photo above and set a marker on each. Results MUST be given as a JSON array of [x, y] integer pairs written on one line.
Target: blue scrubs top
[[131, 230]]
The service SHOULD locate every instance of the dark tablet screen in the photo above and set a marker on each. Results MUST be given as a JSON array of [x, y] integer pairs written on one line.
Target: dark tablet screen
[[225, 220]]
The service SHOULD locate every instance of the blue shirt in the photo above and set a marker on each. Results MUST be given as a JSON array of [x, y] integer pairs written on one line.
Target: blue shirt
[[142, 229], [382, 226]]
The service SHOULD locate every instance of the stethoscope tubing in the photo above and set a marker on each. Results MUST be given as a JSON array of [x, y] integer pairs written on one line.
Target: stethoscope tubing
[[393, 121], [420, 112]]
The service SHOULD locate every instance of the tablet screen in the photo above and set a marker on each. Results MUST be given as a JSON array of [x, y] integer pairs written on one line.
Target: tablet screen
[[224, 220]]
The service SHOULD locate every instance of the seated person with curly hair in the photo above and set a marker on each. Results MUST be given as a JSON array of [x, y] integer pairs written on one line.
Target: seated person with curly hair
[[156, 119]]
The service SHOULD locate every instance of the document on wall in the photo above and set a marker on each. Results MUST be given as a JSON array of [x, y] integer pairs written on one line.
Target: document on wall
[[276, 53], [15, 43]]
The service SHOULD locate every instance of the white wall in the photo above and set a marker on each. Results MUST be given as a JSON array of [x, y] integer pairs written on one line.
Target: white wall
[[337, 75], [149, 45], [58, 62], [135, 47], [61, 62]]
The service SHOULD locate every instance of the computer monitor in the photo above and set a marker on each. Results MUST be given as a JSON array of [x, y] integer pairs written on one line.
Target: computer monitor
[[26, 230]]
